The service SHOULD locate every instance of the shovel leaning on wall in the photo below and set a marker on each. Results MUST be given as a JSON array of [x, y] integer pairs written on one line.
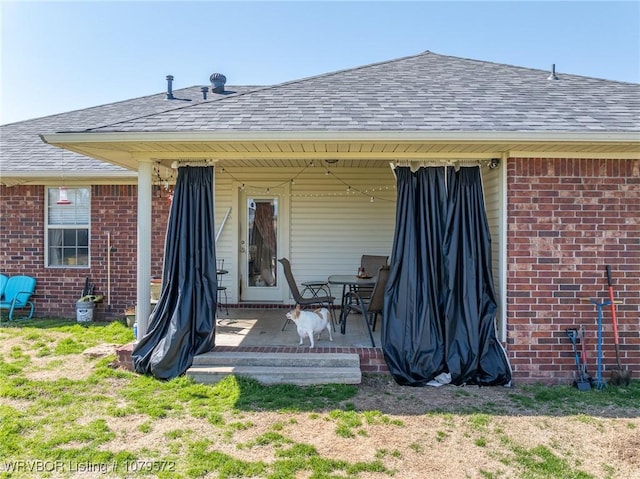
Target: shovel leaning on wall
[[619, 377]]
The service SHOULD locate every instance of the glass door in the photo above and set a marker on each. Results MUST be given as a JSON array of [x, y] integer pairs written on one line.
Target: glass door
[[260, 247]]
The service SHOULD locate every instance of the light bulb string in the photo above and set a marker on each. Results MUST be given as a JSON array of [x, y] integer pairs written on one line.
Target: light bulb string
[[350, 189]]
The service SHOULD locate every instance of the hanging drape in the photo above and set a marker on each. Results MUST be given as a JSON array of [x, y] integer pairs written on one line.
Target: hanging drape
[[439, 301], [182, 324], [412, 330], [473, 353]]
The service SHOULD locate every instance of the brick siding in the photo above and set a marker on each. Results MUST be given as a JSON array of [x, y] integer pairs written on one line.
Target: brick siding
[[567, 219], [114, 211]]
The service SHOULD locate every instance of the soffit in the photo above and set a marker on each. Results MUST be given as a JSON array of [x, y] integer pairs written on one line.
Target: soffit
[[286, 153]]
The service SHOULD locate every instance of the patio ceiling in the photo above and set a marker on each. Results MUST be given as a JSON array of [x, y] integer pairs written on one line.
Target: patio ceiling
[[287, 149]]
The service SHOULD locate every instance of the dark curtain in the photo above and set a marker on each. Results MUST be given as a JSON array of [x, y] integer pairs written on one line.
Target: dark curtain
[[473, 353], [182, 324], [440, 304], [412, 331]]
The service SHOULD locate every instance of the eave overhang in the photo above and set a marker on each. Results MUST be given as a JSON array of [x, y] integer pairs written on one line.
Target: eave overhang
[[127, 149]]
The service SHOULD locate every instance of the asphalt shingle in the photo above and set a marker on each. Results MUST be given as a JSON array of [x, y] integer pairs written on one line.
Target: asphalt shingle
[[425, 92]]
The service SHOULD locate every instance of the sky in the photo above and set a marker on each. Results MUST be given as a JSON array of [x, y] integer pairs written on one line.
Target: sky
[[63, 56]]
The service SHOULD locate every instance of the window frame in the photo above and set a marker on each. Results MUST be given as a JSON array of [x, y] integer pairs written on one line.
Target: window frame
[[66, 227]]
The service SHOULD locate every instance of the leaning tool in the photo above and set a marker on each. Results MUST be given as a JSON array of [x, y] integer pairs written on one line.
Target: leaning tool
[[583, 354], [619, 377], [581, 382]]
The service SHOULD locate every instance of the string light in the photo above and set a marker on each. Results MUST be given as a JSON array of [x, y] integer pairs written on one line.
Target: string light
[[164, 182], [349, 190]]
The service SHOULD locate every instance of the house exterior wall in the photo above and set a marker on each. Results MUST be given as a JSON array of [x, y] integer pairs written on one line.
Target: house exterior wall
[[114, 211], [567, 219]]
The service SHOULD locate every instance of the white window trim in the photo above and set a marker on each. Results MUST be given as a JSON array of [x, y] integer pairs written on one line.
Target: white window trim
[[47, 226]]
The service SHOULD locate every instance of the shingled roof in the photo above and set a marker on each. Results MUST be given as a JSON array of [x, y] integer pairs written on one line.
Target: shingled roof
[[425, 92], [24, 154]]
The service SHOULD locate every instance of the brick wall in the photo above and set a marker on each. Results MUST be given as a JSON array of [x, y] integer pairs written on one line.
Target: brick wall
[[567, 219], [114, 212]]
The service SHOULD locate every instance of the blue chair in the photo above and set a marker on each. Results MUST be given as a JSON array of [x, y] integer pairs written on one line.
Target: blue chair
[[3, 284], [17, 295]]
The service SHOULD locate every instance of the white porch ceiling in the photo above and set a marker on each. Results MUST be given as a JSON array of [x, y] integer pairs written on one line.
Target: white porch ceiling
[[127, 151]]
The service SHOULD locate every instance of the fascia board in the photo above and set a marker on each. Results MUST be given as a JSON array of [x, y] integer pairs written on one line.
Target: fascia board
[[470, 136]]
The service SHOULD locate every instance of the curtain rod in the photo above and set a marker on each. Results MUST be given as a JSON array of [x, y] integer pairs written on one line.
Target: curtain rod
[[197, 163], [416, 164]]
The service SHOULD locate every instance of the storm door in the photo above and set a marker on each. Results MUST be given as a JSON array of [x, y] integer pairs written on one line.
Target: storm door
[[260, 246]]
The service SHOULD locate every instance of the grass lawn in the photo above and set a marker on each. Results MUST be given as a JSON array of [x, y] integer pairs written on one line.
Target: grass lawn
[[66, 412]]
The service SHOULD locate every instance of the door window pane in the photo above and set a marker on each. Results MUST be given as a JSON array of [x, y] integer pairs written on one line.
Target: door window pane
[[262, 229]]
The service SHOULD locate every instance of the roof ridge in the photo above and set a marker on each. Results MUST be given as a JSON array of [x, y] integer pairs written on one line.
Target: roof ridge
[[270, 87], [509, 65]]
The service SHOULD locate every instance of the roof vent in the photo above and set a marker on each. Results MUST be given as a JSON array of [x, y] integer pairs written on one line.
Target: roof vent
[[204, 91], [553, 75], [217, 82], [170, 87]]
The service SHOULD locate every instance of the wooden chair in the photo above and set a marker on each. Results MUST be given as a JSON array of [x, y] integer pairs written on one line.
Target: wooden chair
[[318, 300], [17, 295], [369, 307]]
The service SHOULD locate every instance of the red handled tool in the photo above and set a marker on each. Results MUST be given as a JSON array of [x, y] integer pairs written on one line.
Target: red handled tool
[[619, 377]]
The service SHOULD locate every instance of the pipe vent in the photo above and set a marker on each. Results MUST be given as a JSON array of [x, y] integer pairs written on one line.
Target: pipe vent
[[553, 75], [170, 87]]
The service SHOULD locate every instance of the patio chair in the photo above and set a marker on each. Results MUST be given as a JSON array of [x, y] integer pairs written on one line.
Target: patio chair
[[318, 300], [3, 284], [17, 295], [369, 307], [370, 264]]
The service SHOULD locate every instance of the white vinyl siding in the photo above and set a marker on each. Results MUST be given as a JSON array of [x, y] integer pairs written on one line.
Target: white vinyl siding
[[329, 228], [493, 197]]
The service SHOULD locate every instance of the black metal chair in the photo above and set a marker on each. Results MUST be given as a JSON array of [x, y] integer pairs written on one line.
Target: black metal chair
[[369, 307], [318, 300]]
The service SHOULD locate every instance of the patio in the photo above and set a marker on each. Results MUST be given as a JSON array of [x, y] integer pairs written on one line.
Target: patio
[[259, 329], [262, 327]]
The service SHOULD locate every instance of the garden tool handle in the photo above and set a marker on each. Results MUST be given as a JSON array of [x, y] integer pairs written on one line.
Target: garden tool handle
[[613, 307]]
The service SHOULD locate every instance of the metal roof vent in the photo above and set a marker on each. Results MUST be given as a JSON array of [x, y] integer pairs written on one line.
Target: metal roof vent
[[170, 87], [217, 82], [553, 75]]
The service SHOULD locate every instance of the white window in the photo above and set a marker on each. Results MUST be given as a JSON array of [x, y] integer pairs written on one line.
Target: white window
[[67, 222]]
